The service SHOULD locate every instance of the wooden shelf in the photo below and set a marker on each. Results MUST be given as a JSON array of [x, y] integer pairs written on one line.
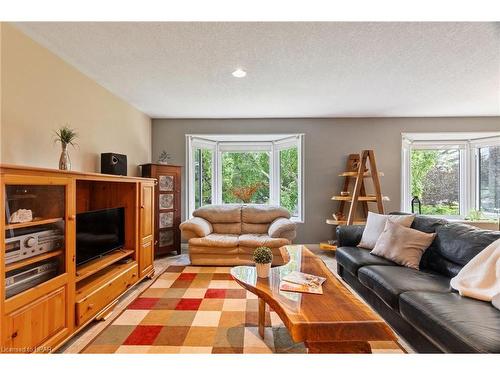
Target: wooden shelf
[[355, 174], [369, 198], [344, 222], [94, 266], [327, 246], [33, 223], [25, 262]]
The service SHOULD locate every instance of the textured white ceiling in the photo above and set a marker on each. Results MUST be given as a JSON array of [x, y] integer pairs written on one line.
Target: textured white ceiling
[[337, 69]]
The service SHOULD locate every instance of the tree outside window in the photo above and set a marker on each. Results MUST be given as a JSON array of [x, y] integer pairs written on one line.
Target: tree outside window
[[435, 180]]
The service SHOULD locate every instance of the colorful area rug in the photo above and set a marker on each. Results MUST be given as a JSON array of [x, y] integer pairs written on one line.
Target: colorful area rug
[[198, 310]]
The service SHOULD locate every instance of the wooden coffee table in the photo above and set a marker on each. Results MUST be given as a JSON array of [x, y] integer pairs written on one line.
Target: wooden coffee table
[[334, 322]]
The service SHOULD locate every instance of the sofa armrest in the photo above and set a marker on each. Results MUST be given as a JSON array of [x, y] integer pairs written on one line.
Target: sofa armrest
[[282, 228], [195, 227], [349, 235]]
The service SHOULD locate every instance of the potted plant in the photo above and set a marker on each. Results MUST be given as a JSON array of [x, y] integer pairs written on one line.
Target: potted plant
[[66, 136], [263, 257]]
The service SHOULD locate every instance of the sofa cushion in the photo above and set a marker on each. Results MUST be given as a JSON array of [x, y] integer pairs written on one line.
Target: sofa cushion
[[229, 228], [456, 324], [247, 228], [224, 213], [256, 240], [352, 258], [262, 213], [213, 251], [280, 226], [277, 254], [388, 282], [427, 224], [216, 240], [460, 243], [197, 225]]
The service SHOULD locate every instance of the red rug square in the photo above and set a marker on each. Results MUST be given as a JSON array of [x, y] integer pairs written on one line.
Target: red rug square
[[189, 304], [143, 335], [215, 293], [143, 304], [187, 276]]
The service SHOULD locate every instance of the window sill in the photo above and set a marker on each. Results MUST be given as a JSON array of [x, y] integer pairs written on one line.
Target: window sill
[[482, 224]]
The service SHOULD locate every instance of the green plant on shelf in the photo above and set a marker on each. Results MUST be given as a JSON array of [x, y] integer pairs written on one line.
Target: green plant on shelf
[[66, 136]]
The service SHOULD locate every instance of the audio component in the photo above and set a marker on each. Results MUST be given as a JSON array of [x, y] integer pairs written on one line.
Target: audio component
[[32, 244], [112, 163], [25, 278]]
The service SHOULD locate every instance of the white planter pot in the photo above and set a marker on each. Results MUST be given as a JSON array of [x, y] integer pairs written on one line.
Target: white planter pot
[[263, 269]]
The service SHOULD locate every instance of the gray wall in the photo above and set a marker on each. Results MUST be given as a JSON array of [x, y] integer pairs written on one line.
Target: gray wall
[[327, 143]]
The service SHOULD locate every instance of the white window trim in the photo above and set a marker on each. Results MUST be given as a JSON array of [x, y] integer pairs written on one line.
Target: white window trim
[[245, 143], [469, 180]]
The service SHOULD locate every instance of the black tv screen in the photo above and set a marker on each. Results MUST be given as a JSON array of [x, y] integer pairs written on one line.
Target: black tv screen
[[98, 233]]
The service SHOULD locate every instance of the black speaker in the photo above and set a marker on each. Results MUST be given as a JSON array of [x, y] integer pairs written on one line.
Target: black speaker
[[112, 163]]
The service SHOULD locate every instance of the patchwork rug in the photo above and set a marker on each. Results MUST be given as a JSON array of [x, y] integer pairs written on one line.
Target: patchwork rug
[[199, 310]]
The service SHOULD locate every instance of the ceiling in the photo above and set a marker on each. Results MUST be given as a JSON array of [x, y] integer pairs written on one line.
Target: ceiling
[[295, 69]]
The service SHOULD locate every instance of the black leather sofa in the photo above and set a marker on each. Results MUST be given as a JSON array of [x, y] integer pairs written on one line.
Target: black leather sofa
[[420, 305]]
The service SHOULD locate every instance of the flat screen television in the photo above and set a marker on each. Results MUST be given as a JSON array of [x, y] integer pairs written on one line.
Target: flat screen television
[[98, 233]]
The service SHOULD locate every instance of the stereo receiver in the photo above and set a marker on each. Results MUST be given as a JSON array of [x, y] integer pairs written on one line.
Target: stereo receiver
[[29, 245]]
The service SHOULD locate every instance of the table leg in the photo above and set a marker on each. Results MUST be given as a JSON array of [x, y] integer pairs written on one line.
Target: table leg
[[262, 317], [356, 347]]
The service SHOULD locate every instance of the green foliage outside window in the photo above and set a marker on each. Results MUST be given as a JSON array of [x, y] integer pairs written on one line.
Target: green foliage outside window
[[289, 179], [435, 180], [245, 177], [243, 170]]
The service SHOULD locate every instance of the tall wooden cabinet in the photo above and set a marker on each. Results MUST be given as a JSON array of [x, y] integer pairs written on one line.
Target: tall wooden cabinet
[[56, 298], [167, 206], [147, 232]]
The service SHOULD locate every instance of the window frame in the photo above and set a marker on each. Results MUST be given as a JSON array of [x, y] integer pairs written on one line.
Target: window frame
[[475, 145], [468, 165], [245, 143]]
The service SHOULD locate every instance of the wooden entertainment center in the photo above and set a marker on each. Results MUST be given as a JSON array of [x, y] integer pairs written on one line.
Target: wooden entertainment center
[[42, 317]]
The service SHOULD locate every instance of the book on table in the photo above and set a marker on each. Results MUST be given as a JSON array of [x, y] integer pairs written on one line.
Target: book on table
[[302, 282]]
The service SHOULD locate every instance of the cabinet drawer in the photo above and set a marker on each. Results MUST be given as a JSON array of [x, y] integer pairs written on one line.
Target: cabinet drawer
[[33, 325], [96, 300]]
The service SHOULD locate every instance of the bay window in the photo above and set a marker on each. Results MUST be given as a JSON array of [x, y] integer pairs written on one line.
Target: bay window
[[263, 169], [452, 174]]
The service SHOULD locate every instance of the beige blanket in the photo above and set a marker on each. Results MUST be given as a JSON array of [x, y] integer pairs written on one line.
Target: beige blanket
[[480, 278], [496, 301]]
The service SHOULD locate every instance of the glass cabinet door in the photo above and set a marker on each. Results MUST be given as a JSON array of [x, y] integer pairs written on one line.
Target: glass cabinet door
[[166, 207], [35, 233]]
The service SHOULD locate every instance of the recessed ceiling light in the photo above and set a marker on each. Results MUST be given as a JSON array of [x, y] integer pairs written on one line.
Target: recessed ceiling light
[[239, 73]]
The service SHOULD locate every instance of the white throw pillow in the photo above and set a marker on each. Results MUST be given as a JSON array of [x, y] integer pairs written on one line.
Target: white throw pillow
[[402, 245], [375, 224]]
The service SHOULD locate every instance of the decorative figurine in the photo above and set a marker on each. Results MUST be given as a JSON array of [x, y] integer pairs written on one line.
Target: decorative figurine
[[164, 157], [21, 216]]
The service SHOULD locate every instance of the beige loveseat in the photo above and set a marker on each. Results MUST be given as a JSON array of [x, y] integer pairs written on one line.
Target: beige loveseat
[[227, 235]]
